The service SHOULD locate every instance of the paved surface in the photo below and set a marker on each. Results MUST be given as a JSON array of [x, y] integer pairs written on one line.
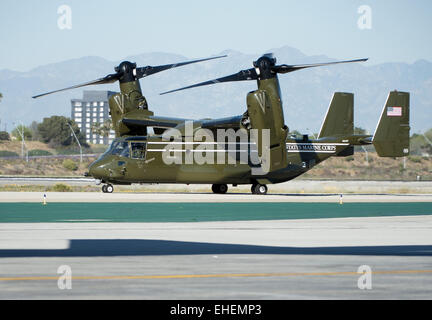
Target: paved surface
[[293, 186], [292, 258], [165, 197], [280, 259], [202, 211]]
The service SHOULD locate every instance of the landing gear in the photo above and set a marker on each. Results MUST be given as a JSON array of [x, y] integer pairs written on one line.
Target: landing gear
[[220, 188], [107, 188], [259, 188]]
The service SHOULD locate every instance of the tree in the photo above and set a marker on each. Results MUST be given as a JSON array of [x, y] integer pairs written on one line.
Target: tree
[[428, 134], [19, 130], [34, 130], [358, 130], [421, 143], [102, 129], [4, 135], [56, 132]]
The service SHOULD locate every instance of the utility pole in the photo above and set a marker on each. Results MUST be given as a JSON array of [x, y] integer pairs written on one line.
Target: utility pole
[[427, 139], [367, 158], [79, 144], [23, 142]]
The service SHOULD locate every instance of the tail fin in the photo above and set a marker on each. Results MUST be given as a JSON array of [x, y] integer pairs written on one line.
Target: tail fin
[[391, 138], [339, 119]]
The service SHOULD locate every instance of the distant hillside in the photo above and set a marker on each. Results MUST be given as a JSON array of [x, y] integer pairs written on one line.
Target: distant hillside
[[306, 94]]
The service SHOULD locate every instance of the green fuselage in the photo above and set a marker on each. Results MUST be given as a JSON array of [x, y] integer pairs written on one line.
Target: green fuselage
[[271, 157], [148, 165]]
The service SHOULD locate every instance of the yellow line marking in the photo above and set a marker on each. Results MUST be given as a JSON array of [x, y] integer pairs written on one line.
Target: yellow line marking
[[224, 275]]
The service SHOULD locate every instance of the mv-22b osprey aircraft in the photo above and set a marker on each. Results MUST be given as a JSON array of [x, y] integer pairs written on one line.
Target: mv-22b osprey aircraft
[[252, 148]]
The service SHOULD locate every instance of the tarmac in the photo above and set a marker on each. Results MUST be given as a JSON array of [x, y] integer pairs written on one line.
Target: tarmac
[[281, 259], [289, 258], [296, 186]]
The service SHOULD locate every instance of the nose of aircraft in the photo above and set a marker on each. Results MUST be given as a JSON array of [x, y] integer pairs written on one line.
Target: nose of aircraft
[[97, 171]]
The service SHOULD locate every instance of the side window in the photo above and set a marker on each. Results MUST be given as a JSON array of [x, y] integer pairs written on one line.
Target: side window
[[138, 150]]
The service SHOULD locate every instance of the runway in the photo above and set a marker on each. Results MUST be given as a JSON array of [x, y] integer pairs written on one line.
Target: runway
[[286, 259], [251, 247]]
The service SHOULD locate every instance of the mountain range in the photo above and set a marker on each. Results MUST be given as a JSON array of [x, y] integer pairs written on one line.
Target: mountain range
[[306, 94]]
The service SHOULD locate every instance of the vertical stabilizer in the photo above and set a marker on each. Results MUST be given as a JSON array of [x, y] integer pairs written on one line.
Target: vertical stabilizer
[[339, 120], [391, 138]]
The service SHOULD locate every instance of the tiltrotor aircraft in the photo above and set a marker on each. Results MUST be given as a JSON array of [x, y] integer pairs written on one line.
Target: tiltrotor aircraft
[[252, 148]]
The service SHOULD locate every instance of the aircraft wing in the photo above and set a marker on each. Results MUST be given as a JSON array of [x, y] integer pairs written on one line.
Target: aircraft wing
[[168, 122], [151, 121], [222, 123]]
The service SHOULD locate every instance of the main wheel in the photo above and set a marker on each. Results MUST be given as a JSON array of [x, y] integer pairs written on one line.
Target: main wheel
[[104, 188], [220, 188], [259, 188], [109, 188]]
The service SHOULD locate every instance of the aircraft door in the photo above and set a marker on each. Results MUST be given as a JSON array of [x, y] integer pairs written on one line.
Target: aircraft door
[[137, 166]]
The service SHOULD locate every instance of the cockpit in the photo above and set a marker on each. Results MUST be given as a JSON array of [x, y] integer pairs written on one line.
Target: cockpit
[[107, 168], [127, 149]]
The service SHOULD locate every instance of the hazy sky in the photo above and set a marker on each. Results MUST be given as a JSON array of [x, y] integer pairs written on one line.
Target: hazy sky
[[400, 30]]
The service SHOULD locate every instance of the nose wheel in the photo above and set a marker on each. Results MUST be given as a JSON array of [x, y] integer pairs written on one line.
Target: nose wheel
[[107, 188], [259, 188]]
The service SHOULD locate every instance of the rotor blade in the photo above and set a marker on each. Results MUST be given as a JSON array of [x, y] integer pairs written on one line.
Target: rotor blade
[[249, 74], [146, 71], [108, 79], [284, 68]]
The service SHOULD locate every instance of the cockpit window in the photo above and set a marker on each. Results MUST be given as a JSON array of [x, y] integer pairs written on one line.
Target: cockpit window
[[120, 148], [138, 150], [108, 150]]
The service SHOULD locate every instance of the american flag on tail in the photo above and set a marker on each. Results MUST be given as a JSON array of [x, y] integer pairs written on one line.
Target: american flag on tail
[[394, 111]]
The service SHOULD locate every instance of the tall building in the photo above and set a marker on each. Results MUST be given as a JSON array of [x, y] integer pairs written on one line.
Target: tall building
[[91, 109]]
